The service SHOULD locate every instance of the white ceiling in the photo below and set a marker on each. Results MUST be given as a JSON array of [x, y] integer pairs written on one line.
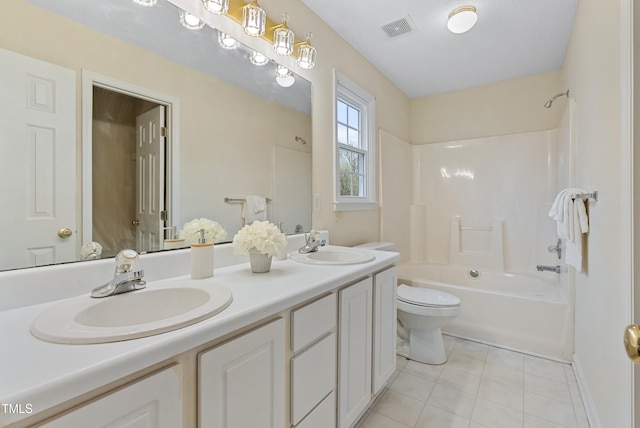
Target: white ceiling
[[513, 38]]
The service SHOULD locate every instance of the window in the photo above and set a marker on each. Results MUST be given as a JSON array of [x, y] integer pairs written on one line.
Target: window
[[355, 147]]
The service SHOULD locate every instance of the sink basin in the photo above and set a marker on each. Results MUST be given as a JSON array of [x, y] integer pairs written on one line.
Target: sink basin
[[335, 256], [131, 315]]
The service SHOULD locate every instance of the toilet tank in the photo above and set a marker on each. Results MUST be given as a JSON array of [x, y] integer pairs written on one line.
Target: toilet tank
[[380, 246]]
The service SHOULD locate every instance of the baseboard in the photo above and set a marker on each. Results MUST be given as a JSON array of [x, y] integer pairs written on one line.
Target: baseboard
[[585, 393]]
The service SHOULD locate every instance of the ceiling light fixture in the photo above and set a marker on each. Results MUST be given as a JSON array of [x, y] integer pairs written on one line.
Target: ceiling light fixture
[[306, 54], [284, 76], [462, 19], [258, 59], [190, 21], [254, 19], [145, 2], [219, 7], [283, 38], [226, 41]]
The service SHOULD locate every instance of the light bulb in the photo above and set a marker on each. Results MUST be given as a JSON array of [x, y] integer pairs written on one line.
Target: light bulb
[[226, 41], [190, 21], [219, 7], [254, 19], [283, 38]]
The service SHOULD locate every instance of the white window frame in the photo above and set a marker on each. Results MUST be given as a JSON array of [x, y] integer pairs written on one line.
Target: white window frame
[[350, 92]]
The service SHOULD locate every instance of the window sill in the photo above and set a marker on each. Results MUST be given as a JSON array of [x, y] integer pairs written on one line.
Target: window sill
[[354, 206]]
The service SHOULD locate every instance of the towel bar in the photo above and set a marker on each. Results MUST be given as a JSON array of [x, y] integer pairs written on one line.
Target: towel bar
[[231, 200], [593, 195]]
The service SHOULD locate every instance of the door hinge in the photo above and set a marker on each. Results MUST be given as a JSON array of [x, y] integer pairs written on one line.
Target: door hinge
[[164, 131], [164, 215]]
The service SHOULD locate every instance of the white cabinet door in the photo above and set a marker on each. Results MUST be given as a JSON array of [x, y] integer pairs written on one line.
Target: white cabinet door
[[355, 326], [384, 327], [242, 382], [152, 402]]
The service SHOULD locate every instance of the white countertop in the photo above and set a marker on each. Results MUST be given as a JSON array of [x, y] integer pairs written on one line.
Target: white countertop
[[45, 374]]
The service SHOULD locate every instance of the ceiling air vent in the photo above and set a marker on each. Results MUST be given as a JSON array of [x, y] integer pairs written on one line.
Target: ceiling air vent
[[399, 27]]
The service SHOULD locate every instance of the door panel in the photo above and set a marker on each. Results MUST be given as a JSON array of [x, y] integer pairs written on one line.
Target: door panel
[[38, 161], [150, 163]]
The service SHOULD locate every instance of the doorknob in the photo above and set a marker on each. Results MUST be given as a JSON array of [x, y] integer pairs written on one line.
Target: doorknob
[[135, 222], [64, 232], [632, 341]]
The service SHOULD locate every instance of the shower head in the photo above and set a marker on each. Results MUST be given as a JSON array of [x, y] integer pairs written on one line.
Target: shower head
[[552, 99]]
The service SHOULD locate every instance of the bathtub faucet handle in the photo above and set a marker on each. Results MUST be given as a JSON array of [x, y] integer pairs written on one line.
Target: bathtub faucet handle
[[556, 249]]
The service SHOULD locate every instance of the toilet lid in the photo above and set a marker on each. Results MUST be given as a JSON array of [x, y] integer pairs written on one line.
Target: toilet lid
[[426, 297]]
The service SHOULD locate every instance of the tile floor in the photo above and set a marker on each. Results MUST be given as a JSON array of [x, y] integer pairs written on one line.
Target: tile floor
[[480, 386]]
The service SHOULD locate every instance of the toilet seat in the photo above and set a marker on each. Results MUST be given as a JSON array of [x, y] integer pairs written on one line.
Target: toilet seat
[[426, 297]]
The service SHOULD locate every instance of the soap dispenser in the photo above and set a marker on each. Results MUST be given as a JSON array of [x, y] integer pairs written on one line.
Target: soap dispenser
[[201, 258]]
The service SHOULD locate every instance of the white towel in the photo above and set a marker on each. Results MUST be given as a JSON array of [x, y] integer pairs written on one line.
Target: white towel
[[254, 208], [572, 221]]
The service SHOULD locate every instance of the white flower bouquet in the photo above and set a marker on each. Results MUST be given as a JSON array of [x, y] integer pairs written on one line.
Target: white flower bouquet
[[264, 236], [213, 231]]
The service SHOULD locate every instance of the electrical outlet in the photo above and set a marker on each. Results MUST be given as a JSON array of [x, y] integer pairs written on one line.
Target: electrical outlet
[[316, 202]]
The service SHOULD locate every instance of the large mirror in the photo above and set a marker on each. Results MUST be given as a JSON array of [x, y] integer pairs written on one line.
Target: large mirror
[[101, 78]]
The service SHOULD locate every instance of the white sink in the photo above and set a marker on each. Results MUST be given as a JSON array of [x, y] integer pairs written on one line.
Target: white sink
[[335, 256], [154, 310]]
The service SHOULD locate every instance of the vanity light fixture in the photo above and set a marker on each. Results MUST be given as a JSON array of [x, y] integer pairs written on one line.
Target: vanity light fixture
[[226, 41], [254, 19], [306, 54], [145, 2], [190, 21], [284, 76], [462, 19], [219, 7], [283, 38], [258, 59]]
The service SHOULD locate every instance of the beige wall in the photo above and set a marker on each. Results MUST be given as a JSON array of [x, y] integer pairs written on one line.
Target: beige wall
[[392, 115], [502, 108], [593, 69]]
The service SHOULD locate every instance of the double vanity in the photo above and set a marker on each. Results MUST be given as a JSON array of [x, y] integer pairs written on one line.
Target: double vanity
[[309, 343]]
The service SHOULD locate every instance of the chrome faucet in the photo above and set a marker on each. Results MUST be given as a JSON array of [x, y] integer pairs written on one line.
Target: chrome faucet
[[312, 243], [556, 269], [124, 280], [556, 249]]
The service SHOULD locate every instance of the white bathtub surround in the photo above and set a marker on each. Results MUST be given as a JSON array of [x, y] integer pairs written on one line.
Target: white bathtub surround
[[476, 245], [492, 178], [529, 312], [572, 222], [418, 241]]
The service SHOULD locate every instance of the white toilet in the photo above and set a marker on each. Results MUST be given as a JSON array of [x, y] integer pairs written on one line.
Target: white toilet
[[422, 312]]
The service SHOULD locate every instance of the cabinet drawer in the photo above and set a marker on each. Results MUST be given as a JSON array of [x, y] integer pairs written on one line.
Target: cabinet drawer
[[323, 416], [313, 376], [312, 321]]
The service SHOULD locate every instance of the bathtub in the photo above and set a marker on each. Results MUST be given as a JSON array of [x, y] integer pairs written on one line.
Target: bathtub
[[525, 312]]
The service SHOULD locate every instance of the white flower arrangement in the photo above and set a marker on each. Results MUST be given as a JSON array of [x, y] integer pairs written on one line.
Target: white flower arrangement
[[264, 236], [213, 231]]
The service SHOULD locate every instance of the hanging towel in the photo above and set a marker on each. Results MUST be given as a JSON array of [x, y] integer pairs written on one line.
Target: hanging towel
[[572, 221], [254, 208]]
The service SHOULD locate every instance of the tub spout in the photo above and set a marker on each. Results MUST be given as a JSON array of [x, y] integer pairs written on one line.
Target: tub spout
[[556, 269]]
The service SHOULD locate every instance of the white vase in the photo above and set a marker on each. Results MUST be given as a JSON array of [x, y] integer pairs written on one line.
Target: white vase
[[260, 263]]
